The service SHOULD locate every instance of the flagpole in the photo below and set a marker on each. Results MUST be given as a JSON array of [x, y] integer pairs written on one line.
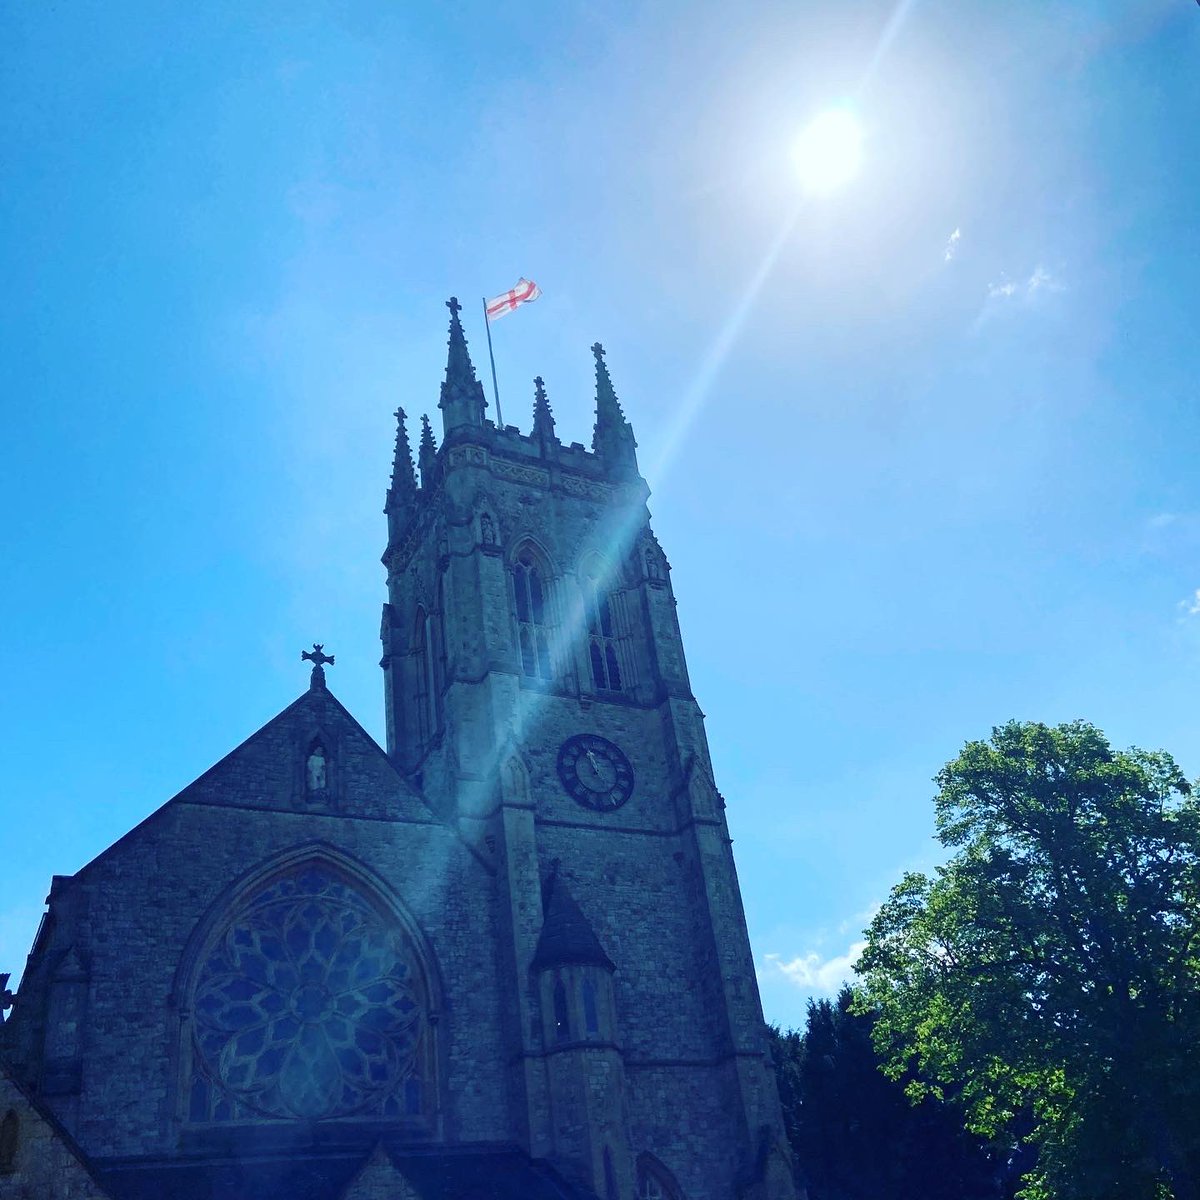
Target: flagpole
[[495, 389]]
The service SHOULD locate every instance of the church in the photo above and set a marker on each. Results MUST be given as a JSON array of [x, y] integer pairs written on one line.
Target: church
[[503, 956]]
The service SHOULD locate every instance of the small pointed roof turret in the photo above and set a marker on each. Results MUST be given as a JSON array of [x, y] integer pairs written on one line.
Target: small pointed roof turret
[[462, 401], [567, 935], [428, 452], [543, 418], [612, 437]]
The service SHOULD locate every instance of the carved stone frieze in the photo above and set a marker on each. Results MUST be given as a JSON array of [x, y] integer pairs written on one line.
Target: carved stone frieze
[[590, 488], [520, 473]]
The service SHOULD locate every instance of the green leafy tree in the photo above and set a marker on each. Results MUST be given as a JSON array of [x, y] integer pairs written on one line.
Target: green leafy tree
[[854, 1132], [1049, 972]]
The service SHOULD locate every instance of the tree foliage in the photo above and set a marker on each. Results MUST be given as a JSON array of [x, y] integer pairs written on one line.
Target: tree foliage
[[1049, 972], [854, 1132]]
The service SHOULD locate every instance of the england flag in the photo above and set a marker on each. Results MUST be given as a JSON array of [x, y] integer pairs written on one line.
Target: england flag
[[524, 293]]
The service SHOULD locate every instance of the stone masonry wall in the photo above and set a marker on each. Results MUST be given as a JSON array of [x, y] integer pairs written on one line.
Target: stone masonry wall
[[132, 913]]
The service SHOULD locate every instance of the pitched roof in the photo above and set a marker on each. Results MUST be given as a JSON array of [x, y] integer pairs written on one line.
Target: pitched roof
[[315, 1174], [254, 773], [567, 935]]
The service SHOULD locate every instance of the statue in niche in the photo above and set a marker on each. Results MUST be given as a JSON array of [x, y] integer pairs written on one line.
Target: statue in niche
[[316, 769], [487, 531], [653, 564]]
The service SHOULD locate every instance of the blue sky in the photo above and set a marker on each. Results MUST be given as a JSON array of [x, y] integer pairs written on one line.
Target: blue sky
[[935, 470]]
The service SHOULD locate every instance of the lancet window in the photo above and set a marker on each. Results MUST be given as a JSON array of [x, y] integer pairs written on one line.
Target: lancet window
[[531, 595], [591, 1017], [603, 653], [562, 1015]]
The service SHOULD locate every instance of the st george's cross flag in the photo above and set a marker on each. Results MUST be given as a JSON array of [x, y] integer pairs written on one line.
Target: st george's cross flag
[[524, 293]]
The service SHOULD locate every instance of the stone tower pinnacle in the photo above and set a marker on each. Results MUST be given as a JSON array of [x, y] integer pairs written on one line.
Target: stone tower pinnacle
[[543, 418], [402, 491], [612, 437], [462, 401], [427, 455]]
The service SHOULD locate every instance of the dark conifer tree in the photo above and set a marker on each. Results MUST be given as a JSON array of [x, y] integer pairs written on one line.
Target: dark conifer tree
[[854, 1132]]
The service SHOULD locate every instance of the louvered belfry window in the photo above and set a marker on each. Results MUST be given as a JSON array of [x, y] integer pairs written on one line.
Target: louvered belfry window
[[601, 632], [533, 616]]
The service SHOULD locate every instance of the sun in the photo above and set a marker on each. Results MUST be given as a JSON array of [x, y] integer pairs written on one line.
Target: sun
[[829, 151]]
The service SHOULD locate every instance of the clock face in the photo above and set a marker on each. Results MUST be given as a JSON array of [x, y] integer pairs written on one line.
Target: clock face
[[595, 773]]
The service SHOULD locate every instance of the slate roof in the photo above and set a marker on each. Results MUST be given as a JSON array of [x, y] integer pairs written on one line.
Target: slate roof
[[567, 935], [497, 1174]]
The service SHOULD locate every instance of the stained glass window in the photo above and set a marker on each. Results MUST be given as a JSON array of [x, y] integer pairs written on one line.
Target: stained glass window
[[308, 1006]]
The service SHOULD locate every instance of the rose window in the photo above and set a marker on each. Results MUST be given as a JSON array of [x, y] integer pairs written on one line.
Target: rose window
[[308, 1006]]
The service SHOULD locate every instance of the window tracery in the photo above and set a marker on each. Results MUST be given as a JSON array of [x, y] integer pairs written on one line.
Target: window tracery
[[309, 1005], [531, 597]]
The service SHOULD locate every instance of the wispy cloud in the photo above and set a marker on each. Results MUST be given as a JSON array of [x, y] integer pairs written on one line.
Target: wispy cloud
[[1172, 535], [952, 245], [1040, 281], [1012, 295], [813, 974], [1191, 606]]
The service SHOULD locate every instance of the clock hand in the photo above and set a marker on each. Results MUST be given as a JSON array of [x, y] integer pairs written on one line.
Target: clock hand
[[592, 759]]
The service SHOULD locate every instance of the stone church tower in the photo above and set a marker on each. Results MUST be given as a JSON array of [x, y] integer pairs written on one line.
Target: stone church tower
[[506, 957]]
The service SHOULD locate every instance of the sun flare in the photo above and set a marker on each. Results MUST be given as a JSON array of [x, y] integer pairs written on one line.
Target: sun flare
[[829, 151]]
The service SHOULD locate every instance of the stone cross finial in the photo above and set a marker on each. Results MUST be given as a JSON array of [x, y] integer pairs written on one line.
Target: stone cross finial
[[453, 305], [7, 998], [598, 350], [318, 658]]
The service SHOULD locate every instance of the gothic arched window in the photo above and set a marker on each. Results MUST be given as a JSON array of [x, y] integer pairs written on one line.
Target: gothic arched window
[[654, 1181], [601, 630], [310, 1002], [531, 595], [562, 1015], [10, 1138]]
